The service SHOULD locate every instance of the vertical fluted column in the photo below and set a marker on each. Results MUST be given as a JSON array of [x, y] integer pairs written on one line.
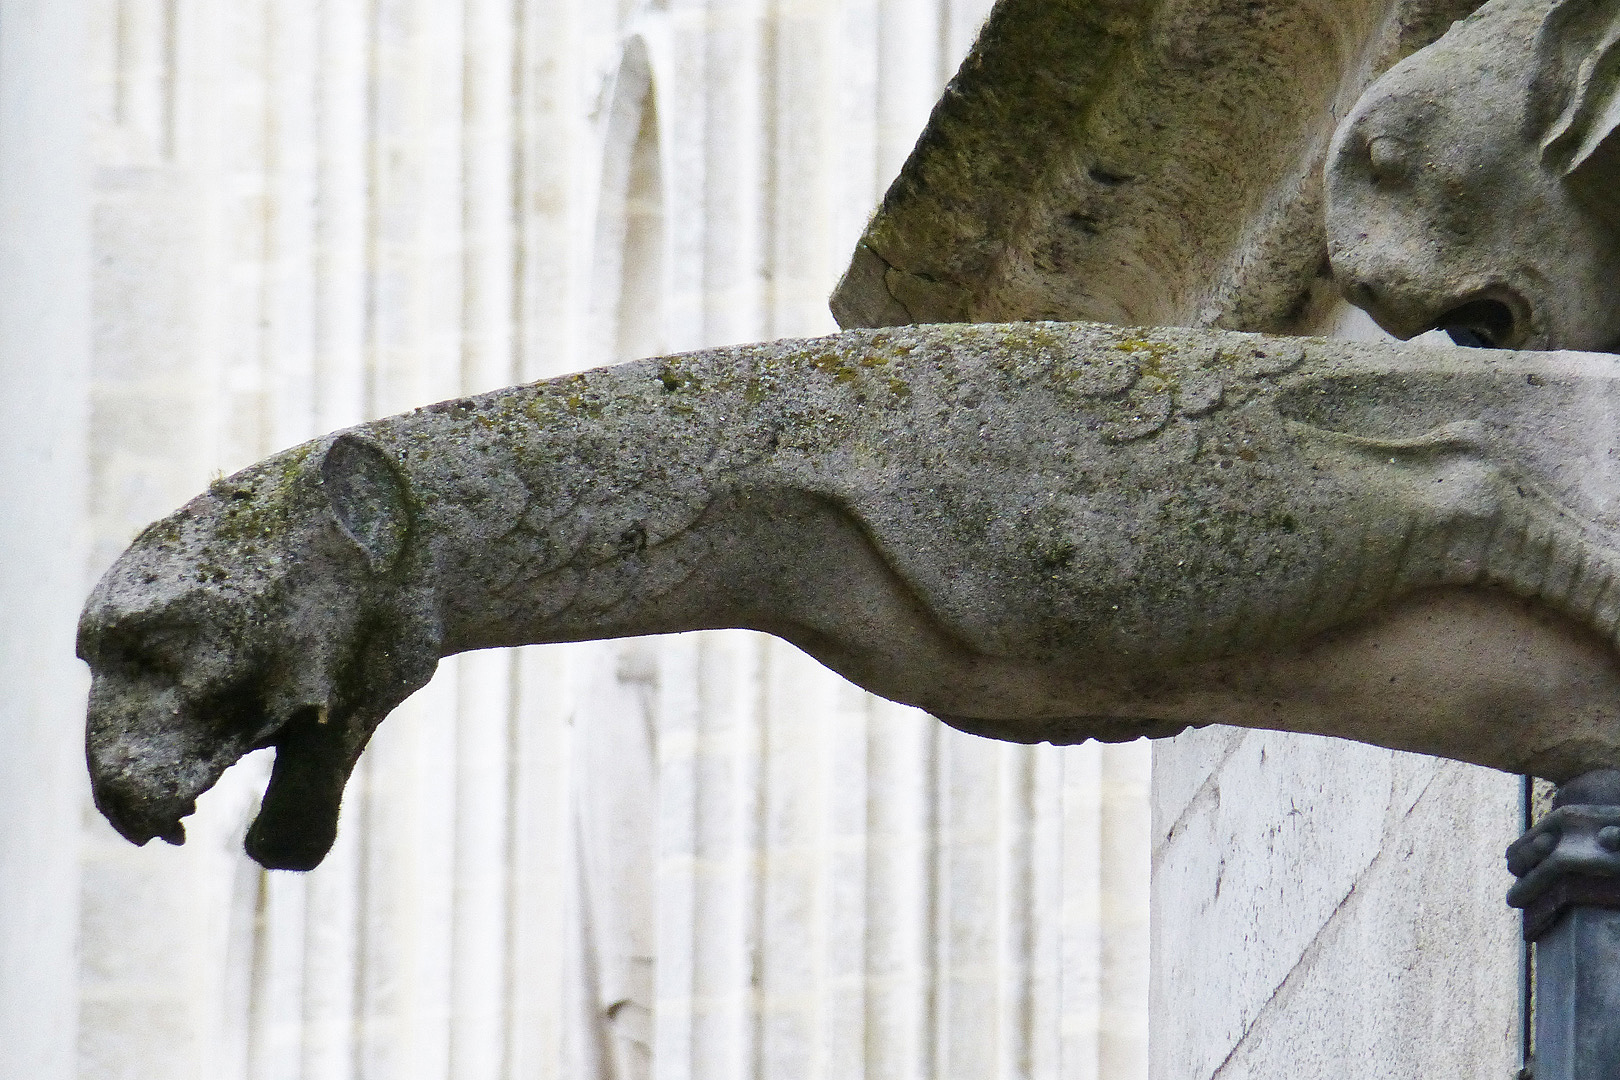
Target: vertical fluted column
[[165, 933], [45, 370]]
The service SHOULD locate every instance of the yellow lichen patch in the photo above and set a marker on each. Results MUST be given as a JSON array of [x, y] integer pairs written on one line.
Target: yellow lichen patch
[[837, 365]]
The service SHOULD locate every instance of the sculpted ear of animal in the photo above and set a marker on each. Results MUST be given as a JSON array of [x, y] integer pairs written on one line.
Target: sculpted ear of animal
[[1576, 94], [1036, 532], [1475, 187], [368, 499]]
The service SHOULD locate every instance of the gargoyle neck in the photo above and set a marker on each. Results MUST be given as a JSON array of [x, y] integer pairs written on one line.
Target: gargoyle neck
[[539, 508]]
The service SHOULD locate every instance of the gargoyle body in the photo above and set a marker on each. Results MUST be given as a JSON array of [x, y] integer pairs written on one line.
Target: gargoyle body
[[1476, 186], [1036, 532]]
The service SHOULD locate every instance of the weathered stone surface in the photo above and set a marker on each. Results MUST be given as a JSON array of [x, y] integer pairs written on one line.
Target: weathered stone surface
[[1014, 527], [1457, 199], [1324, 910], [1131, 161]]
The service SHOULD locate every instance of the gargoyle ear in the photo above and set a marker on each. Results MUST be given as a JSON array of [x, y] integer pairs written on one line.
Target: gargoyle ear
[[1576, 93], [368, 498]]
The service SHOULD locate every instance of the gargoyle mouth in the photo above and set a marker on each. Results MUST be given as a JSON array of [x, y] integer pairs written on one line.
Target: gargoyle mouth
[[146, 777], [298, 819], [1485, 322]]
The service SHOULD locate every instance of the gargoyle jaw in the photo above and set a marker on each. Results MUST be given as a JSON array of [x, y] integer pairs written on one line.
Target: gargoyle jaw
[[298, 818]]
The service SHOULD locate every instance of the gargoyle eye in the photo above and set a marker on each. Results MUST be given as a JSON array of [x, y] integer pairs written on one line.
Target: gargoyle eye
[[152, 651], [1388, 158]]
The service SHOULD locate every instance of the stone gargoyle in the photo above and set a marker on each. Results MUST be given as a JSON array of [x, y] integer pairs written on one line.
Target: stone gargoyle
[[1034, 531], [1475, 187]]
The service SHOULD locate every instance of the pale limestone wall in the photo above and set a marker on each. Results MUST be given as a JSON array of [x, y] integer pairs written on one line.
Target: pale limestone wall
[[693, 857], [1324, 910]]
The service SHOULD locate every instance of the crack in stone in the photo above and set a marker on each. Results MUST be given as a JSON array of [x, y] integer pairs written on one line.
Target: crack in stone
[[1197, 797], [1312, 950]]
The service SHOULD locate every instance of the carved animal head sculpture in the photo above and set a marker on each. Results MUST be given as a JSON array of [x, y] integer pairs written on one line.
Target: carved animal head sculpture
[[273, 610], [1475, 187]]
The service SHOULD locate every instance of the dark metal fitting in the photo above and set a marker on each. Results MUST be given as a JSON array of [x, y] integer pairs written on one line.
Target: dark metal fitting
[[1571, 857]]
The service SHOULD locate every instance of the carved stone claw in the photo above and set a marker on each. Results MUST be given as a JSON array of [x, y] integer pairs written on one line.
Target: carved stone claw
[[1570, 857]]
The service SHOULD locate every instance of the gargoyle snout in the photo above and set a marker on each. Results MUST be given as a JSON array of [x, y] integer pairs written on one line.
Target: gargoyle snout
[[139, 801], [1389, 297], [129, 807], [1494, 317], [148, 760]]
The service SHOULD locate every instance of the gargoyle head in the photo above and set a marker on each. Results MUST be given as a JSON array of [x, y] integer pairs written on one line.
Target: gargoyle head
[[277, 609], [1476, 186]]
